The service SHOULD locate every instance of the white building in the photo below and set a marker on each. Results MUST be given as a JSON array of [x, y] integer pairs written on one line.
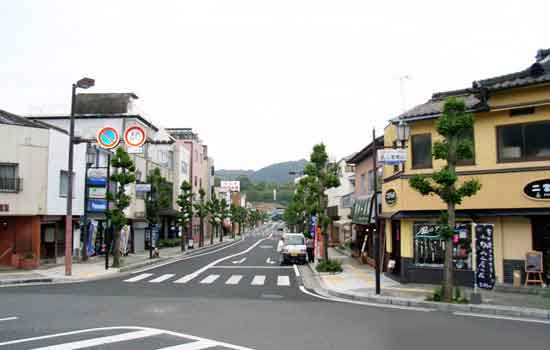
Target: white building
[[338, 207]]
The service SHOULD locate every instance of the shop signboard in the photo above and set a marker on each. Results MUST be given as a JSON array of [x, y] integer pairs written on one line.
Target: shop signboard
[[97, 192], [391, 156], [390, 197], [144, 188], [485, 258], [539, 189], [233, 186], [97, 172], [97, 205], [312, 225]]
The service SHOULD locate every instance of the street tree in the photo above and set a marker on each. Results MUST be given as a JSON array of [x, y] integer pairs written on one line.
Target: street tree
[[453, 125], [185, 202], [234, 211], [202, 212], [123, 175], [213, 210], [225, 213], [320, 176], [160, 196]]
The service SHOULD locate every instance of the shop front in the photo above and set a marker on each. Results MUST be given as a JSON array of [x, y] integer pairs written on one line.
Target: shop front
[[363, 230]]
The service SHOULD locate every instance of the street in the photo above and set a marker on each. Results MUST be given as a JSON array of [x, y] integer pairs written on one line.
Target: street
[[234, 297]]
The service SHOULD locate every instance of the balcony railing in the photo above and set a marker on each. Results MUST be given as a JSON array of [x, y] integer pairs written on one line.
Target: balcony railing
[[11, 184]]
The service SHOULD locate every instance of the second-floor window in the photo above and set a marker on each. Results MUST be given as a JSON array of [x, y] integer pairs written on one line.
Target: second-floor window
[[421, 148], [364, 184], [523, 142], [8, 178]]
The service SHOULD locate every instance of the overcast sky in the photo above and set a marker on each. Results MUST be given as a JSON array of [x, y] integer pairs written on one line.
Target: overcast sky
[[262, 81]]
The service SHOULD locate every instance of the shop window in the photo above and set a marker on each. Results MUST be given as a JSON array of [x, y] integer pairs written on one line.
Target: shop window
[[523, 142], [421, 147], [429, 247], [467, 135]]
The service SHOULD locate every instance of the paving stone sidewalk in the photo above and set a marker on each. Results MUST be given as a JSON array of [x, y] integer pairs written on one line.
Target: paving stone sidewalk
[[94, 268]]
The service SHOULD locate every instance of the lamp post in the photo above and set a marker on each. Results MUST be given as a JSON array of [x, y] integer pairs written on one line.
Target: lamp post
[[403, 133], [83, 83]]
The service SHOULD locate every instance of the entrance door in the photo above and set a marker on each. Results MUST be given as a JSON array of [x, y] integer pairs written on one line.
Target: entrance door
[[396, 245], [541, 241]]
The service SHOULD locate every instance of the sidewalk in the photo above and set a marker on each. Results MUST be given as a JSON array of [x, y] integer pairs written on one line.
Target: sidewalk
[[94, 268], [357, 282]]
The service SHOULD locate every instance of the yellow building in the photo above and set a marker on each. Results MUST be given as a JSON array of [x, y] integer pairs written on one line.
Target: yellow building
[[512, 162]]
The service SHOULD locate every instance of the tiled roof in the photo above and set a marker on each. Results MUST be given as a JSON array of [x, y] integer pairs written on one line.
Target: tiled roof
[[537, 73], [103, 103], [434, 107], [12, 119], [365, 152]]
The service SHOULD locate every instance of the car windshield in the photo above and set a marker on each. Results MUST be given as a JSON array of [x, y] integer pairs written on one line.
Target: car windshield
[[294, 240]]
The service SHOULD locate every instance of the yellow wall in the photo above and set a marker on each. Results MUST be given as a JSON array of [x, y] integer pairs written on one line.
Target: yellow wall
[[407, 248], [519, 96], [388, 236]]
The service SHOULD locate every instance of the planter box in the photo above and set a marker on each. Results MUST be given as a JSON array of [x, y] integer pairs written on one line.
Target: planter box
[[27, 264], [15, 258]]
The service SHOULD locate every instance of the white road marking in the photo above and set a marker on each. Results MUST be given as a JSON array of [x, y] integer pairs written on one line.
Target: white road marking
[[185, 257], [266, 246], [8, 318], [296, 271], [239, 261], [234, 279], [383, 306], [202, 342], [193, 275], [103, 340], [198, 345], [184, 279], [139, 277], [250, 267], [283, 281], [210, 279], [162, 278], [258, 280], [508, 318]]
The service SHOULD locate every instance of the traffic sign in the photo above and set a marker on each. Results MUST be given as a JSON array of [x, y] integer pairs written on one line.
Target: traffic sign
[[134, 136], [108, 137]]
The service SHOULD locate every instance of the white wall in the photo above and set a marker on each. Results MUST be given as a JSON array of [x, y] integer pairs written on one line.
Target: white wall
[[58, 157], [335, 194], [28, 148]]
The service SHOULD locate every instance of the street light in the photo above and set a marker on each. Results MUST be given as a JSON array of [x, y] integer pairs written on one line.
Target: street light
[[83, 83], [403, 131]]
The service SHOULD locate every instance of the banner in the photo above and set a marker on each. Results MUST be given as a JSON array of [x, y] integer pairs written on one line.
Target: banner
[[485, 258]]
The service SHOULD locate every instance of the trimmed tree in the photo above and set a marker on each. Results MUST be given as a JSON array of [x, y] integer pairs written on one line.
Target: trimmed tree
[[224, 214], [452, 125], [185, 202], [124, 175], [321, 175], [160, 196], [213, 209], [202, 212]]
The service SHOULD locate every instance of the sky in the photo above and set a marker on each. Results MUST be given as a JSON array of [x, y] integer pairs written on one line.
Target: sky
[[263, 81]]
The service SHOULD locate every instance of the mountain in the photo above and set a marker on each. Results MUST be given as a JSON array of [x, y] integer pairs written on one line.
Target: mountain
[[278, 172]]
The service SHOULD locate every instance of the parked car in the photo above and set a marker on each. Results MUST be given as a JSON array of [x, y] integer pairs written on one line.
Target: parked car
[[293, 249]]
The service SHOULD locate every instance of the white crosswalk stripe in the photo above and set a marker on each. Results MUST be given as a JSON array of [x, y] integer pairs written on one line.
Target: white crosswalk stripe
[[258, 280], [139, 277], [210, 279], [234, 279], [162, 278], [185, 279], [283, 281]]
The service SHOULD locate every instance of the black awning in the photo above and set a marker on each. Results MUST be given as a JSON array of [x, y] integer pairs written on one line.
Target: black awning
[[472, 214], [362, 211]]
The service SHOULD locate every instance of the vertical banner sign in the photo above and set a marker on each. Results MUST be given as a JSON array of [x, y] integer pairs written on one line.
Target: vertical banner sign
[[485, 257], [312, 225]]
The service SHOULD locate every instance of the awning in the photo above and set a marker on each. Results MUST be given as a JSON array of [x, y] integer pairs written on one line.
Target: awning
[[362, 211], [474, 213]]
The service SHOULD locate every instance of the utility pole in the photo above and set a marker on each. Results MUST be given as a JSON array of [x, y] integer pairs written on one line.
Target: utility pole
[[376, 235]]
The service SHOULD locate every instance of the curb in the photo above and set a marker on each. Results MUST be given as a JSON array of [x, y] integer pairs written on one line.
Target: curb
[[25, 281], [491, 310]]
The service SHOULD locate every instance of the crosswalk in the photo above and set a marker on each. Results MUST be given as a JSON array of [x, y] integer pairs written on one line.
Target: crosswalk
[[231, 280]]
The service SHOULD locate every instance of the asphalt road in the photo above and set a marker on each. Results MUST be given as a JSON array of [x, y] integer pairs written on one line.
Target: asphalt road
[[232, 298]]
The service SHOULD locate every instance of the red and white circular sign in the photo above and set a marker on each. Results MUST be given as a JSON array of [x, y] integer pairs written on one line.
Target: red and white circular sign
[[108, 137], [134, 136]]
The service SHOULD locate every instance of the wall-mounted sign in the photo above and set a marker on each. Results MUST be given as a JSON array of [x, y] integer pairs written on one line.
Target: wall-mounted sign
[[143, 187], [97, 172], [97, 181], [97, 205], [134, 150], [233, 186], [539, 189], [391, 156], [108, 137], [97, 192], [134, 136], [485, 257], [390, 197]]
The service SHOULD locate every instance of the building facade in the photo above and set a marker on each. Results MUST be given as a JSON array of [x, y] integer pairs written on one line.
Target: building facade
[[511, 161]]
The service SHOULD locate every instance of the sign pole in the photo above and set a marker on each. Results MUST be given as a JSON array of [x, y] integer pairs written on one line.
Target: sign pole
[[376, 235]]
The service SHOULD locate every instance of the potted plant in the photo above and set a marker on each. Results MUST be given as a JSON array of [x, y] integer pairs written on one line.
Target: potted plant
[[27, 263], [15, 259]]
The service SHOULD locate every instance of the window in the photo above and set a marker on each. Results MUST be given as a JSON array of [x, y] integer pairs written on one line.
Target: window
[[467, 135], [364, 185], [523, 142], [396, 166], [421, 147], [64, 183], [429, 248], [370, 179], [8, 178]]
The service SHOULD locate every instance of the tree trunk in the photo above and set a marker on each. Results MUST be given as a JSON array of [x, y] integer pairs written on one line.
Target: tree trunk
[[201, 231], [448, 278], [183, 237], [221, 231], [116, 250], [214, 229]]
